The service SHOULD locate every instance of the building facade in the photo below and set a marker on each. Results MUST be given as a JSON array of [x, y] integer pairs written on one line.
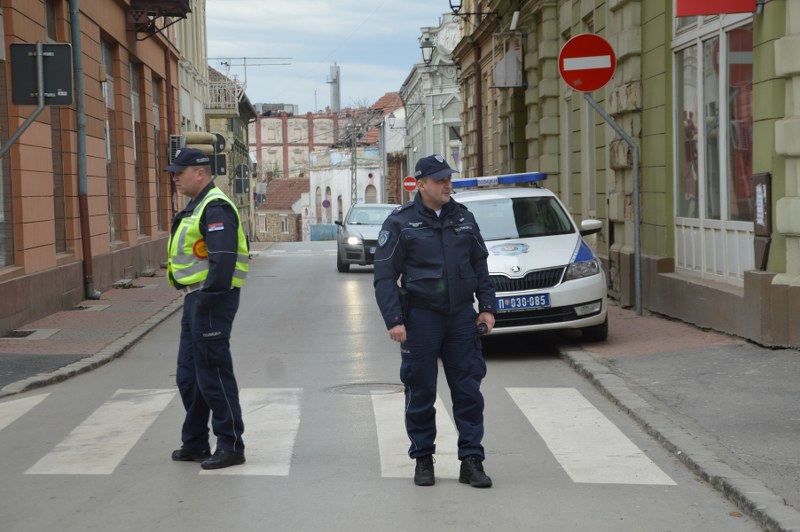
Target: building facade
[[431, 98], [83, 207], [711, 238]]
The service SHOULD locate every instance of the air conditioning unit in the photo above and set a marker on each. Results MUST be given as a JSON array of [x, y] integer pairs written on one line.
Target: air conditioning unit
[[176, 142]]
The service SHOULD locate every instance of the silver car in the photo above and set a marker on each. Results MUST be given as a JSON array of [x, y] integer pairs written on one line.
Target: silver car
[[358, 234]]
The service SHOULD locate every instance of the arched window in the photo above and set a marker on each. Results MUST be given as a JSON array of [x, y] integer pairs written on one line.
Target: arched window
[[371, 194]]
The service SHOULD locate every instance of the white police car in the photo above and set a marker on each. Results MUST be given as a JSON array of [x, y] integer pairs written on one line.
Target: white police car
[[545, 276]]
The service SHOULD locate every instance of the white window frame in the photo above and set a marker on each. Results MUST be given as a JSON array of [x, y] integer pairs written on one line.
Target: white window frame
[[715, 249]]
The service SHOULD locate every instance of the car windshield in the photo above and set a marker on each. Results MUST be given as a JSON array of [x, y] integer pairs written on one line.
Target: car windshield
[[369, 215], [501, 219]]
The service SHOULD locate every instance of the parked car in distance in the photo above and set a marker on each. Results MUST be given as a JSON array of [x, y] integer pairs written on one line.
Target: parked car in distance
[[358, 234], [546, 277]]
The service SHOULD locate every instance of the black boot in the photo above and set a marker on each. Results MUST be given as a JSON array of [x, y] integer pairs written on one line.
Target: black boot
[[423, 474], [472, 472]]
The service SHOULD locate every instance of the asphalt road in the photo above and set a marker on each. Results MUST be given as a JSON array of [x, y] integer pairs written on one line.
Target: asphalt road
[[324, 435]]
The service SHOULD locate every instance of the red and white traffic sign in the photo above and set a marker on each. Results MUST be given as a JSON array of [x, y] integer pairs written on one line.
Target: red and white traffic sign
[[587, 62], [410, 184]]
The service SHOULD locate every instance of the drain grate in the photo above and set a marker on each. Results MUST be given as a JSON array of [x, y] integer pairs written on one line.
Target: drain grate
[[367, 388], [18, 334], [89, 307], [31, 334]]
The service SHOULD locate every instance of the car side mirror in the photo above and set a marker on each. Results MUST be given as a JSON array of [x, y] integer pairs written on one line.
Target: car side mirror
[[339, 223], [590, 227]]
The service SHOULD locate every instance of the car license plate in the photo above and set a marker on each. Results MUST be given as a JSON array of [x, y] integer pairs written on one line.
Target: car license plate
[[372, 250], [527, 302]]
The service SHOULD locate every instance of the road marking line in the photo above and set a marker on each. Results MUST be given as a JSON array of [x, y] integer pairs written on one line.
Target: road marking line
[[99, 444], [271, 423], [589, 447], [13, 410], [393, 441]]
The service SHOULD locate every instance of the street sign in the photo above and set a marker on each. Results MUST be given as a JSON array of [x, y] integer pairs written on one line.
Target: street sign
[[57, 71], [586, 62], [410, 184]]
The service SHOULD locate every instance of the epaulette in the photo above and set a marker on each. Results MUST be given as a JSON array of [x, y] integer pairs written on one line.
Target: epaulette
[[403, 207]]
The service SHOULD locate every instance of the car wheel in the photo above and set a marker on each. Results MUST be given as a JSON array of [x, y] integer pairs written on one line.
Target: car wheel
[[341, 266], [597, 333]]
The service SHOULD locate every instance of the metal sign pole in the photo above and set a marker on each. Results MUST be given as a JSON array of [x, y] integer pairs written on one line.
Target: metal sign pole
[[636, 237]]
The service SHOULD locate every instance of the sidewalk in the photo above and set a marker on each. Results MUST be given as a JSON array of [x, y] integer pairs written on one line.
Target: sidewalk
[[726, 408]]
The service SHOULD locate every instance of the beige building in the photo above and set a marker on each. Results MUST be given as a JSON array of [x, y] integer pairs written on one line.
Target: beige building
[[84, 207], [708, 99]]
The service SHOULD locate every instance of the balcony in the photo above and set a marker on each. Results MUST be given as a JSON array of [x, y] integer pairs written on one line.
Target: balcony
[[150, 17]]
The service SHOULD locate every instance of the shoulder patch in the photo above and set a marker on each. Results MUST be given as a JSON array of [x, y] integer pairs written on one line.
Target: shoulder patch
[[383, 238]]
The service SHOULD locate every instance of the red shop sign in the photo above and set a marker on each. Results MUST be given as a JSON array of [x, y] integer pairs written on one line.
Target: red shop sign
[[688, 8]]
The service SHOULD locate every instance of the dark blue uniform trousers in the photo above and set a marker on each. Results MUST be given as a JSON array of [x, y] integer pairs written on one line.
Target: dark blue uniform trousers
[[205, 372], [430, 336]]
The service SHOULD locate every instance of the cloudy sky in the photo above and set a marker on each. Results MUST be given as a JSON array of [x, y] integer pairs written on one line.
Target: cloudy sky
[[374, 42]]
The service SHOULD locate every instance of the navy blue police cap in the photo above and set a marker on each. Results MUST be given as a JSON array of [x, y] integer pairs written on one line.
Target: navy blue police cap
[[188, 157], [433, 166]]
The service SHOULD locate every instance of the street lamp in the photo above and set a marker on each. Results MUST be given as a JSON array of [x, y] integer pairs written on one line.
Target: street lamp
[[426, 47], [455, 7]]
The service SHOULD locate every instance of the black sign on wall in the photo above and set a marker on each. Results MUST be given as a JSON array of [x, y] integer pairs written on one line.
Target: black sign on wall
[[57, 70]]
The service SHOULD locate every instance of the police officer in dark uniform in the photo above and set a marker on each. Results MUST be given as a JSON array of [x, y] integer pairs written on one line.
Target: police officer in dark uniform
[[434, 246], [208, 261]]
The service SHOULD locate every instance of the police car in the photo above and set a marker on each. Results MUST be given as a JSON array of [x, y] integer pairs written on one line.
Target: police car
[[545, 275]]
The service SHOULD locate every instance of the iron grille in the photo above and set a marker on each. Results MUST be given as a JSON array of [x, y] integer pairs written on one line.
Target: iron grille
[[532, 281]]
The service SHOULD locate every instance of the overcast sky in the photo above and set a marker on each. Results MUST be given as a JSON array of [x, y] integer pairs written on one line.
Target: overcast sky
[[374, 42]]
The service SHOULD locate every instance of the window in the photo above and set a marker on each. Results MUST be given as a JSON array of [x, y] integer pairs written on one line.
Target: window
[[50, 19], [107, 82], [162, 179], [370, 194], [142, 225], [284, 224], [713, 66]]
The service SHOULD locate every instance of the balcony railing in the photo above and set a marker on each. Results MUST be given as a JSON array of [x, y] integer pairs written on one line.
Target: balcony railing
[[224, 95]]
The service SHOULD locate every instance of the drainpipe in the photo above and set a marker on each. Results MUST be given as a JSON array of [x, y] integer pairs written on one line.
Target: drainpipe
[[83, 202]]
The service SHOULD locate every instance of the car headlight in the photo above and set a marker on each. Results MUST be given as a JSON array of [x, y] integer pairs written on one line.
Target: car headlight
[[579, 270], [353, 240]]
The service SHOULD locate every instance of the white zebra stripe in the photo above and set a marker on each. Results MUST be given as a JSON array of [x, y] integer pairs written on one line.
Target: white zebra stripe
[[589, 447]]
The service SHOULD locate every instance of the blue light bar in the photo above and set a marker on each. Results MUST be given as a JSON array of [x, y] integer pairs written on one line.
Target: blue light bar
[[508, 179]]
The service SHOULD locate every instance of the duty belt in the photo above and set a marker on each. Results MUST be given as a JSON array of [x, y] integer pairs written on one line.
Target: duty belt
[[189, 288]]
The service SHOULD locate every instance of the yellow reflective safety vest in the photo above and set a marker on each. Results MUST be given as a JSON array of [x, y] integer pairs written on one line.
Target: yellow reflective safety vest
[[187, 261]]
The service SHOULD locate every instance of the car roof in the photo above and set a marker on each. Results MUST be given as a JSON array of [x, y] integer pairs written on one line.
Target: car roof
[[465, 196]]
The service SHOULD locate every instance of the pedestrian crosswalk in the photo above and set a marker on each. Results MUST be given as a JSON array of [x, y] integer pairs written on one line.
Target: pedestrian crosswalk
[[585, 443]]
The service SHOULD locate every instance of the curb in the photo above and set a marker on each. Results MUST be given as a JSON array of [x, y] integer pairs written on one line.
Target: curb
[[751, 495], [113, 350]]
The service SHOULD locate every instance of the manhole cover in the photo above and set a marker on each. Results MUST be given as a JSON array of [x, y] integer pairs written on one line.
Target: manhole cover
[[367, 388]]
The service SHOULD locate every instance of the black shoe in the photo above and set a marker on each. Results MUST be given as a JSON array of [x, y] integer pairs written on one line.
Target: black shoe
[[190, 455], [222, 459], [423, 474], [472, 472]]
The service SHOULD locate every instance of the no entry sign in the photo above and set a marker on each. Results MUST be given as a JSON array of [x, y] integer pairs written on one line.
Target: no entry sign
[[410, 184], [587, 62]]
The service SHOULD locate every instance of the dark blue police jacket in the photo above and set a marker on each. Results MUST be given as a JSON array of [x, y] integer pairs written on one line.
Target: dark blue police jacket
[[442, 261]]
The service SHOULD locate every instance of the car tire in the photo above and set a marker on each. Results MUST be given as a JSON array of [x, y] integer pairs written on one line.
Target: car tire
[[597, 333], [341, 266]]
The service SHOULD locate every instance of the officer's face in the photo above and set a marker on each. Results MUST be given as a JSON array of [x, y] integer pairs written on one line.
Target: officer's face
[[190, 181], [435, 193]]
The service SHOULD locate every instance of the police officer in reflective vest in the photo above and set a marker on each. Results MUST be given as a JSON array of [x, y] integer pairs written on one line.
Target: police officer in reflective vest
[[208, 260], [434, 246]]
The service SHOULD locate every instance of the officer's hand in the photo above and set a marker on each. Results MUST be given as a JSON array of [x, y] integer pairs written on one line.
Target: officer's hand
[[398, 333], [488, 319]]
